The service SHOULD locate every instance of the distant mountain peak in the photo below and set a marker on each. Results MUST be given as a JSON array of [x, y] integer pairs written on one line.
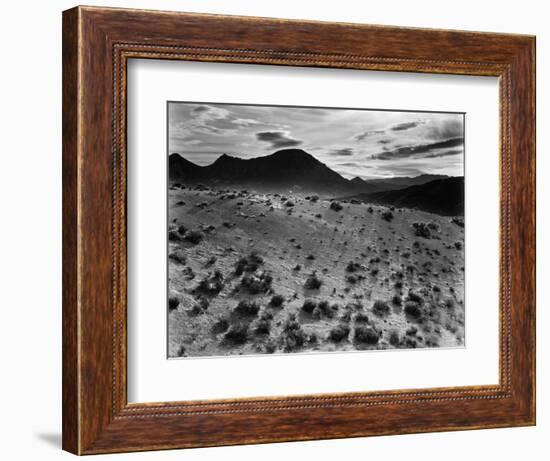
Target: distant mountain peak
[[357, 180]]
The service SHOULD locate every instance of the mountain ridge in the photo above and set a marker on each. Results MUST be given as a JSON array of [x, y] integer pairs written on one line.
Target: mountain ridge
[[284, 169], [441, 196]]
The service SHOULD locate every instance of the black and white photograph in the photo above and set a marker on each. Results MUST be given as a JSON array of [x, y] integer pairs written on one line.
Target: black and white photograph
[[313, 229]]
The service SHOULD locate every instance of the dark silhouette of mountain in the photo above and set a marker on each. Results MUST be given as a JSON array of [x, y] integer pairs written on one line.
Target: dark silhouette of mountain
[[442, 196], [283, 170], [401, 182], [180, 168], [287, 168]]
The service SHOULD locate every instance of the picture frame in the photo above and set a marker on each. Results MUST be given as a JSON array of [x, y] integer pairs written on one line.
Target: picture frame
[[97, 45]]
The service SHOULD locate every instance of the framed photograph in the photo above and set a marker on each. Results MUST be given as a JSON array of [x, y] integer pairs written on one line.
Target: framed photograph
[[281, 230]]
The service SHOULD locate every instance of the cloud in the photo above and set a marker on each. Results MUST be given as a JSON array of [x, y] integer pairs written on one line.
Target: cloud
[[246, 122], [199, 109], [446, 153], [411, 150], [343, 152], [277, 139], [406, 126], [365, 134]]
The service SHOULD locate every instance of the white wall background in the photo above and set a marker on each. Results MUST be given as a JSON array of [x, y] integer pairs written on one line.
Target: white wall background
[[30, 231]]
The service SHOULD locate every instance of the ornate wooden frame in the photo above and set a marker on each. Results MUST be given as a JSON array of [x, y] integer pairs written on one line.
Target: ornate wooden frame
[[97, 43]]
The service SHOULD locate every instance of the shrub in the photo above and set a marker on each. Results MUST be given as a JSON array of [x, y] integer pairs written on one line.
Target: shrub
[[249, 263], [458, 221], [309, 305], [354, 306], [314, 198], [270, 347], [361, 318], [194, 236], [292, 336], [247, 308], [396, 300], [262, 327], [421, 229], [181, 351], [449, 303], [237, 334], [413, 310], [259, 282], [200, 306], [394, 338], [310, 257], [324, 309], [336, 206], [178, 256], [220, 326], [458, 245], [387, 216], [339, 333], [289, 203], [313, 282], [380, 308], [353, 266], [412, 296], [173, 302], [365, 335], [211, 285], [276, 301], [173, 235]]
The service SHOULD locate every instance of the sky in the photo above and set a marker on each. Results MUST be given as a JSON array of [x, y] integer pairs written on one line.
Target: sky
[[366, 143]]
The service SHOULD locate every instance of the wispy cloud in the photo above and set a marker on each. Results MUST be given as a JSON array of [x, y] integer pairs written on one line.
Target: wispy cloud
[[412, 150], [365, 134], [342, 152], [446, 153], [405, 126]]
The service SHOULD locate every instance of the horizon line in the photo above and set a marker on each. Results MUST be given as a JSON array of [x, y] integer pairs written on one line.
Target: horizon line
[[267, 155]]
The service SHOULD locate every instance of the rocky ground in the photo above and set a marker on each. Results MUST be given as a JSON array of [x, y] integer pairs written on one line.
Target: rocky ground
[[257, 273]]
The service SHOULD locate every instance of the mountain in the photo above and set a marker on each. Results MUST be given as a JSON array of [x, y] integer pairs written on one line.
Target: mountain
[[283, 170], [401, 182], [442, 196], [287, 168]]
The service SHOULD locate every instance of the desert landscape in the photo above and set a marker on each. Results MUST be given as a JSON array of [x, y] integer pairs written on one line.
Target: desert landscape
[[281, 254]]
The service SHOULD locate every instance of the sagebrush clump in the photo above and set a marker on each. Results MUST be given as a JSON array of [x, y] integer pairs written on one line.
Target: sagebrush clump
[[365, 335], [247, 308], [313, 282], [237, 334], [336, 206], [339, 333], [256, 283], [380, 308]]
